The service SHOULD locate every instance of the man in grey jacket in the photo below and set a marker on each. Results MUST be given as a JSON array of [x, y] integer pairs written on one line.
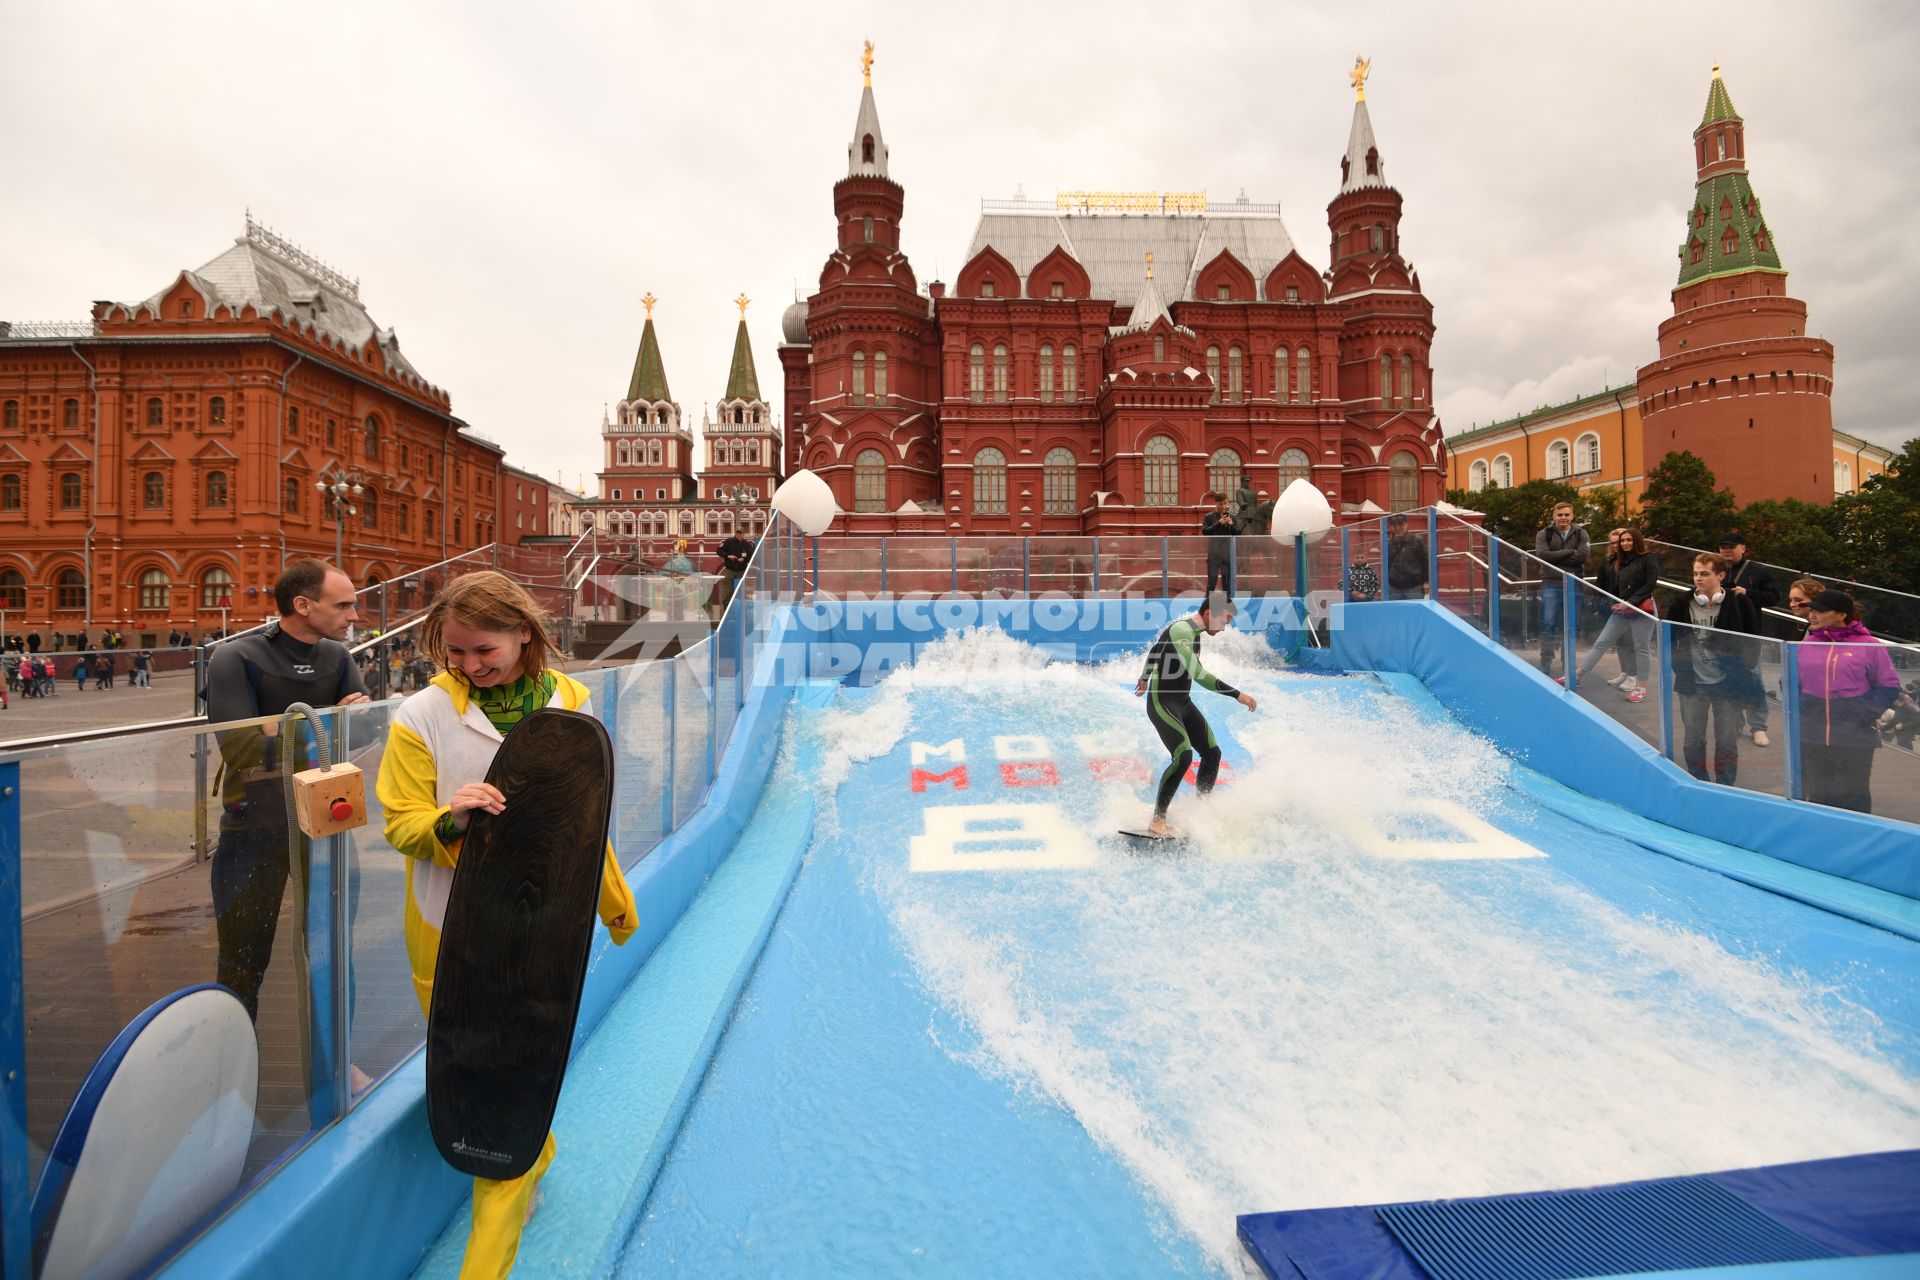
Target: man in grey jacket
[[1562, 548]]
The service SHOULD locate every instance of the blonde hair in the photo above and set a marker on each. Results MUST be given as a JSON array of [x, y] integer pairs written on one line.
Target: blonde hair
[[488, 601], [1808, 587]]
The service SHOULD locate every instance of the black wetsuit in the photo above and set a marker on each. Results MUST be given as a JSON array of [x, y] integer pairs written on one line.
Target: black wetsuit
[[1172, 669]]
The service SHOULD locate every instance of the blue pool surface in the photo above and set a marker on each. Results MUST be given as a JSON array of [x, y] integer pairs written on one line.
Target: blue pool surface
[[1383, 973]]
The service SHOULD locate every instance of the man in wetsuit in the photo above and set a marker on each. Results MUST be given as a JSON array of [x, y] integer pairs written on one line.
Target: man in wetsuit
[[1167, 680]]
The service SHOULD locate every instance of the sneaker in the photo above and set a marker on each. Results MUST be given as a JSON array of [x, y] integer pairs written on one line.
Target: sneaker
[[1629, 683], [1636, 695], [1561, 681], [1617, 681], [1760, 738]]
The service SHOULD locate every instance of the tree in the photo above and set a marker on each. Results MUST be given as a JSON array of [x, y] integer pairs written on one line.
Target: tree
[[1795, 535], [1516, 514], [1880, 525], [1682, 504]]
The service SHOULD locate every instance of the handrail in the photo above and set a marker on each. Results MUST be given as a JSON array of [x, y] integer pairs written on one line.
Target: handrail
[[1829, 579]]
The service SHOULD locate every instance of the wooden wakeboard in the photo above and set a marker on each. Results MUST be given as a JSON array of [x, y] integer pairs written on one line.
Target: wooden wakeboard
[[514, 945]]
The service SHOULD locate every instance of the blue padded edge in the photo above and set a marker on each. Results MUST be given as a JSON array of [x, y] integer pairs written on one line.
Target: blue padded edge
[[370, 1194], [1877, 907], [1854, 1205], [1495, 693]]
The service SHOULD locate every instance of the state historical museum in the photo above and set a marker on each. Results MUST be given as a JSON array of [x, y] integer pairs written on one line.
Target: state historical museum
[[1105, 360]]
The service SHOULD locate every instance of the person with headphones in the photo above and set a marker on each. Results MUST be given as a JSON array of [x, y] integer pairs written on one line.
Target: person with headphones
[[1710, 667]]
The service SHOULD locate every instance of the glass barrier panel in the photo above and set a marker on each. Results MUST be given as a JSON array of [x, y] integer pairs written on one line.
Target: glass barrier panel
[[919, 566], [849, 566], [637, 692], [1461, 557], [1060, 566], [1616, 671], [1186, 576], [1130, 564], [689, 731], [1852, 753], [1531, 608], [1726, 699], [990, 567]]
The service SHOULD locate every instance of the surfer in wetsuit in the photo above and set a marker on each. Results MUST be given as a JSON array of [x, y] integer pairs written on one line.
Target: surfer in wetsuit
[[1167, 680]]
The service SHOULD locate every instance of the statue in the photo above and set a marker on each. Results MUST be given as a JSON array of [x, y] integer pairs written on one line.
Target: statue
[[741, 302], [866, 64], [1361, 66], [648, 302]]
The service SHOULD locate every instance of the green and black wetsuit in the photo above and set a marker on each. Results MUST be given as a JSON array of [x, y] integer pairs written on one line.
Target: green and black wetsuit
[[1173, 668]]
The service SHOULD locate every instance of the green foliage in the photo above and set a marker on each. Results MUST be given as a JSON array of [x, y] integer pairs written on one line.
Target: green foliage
[[1794, 534], [1683, 504], [1518, 513], [1880, 524]]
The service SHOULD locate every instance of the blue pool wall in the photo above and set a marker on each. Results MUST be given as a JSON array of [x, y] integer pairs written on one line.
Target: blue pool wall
[[369, 1196]]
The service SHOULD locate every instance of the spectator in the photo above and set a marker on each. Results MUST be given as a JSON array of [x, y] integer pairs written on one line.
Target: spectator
[[1751, 579], [1562, 548], [1902, 721], [103, 670], [142, 670], [298, 659], [1362, 582], [80, 674], [1629, 576], [735, 553], [1800, 594], [33, 642], [173, 638], [1219, 527], [1406, 559], [1709, 668], [1846, 682]]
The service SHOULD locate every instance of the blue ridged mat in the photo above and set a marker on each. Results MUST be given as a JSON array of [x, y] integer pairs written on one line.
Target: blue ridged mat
[[1847, 1207]]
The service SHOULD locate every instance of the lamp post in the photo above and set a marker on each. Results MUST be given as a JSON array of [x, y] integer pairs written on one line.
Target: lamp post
[[342, 485]]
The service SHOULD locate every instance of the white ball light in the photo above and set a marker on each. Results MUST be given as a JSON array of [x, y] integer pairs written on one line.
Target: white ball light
[[1300, 509], [805, 499]]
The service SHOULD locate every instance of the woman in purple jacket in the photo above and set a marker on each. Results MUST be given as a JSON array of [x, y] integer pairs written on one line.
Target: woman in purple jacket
[[1846, 681]]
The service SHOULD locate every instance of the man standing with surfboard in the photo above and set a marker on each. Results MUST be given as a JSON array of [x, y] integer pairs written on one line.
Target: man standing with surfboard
[[491, 641], [1172, 669]]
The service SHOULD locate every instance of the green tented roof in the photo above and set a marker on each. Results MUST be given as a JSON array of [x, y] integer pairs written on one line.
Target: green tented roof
[[1719, 104], [649, 381], [1707, 229], [742, 384]]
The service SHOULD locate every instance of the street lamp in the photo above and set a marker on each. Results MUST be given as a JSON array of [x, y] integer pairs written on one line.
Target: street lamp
[[342, 487]]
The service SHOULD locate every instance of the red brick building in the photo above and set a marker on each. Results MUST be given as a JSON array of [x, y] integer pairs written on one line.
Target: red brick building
[[163, 456], [1106, 359], [1738, 382]]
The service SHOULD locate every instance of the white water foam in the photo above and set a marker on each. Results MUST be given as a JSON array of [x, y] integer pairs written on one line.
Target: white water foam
[[1285, 1020]]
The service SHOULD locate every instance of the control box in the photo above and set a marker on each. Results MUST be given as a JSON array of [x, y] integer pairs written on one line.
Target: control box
[[329, 801]]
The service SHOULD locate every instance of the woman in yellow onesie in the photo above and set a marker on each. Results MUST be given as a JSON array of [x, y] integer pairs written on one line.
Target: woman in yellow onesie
[[490, 640]]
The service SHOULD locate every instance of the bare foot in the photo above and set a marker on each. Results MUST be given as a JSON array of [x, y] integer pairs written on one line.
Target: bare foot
[[358, 1081], [1158, 827]]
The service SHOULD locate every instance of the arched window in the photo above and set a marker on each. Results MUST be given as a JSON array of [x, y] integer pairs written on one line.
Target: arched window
[[1386, 380], [370, 509], [70, 411], [1000, 373], [1159, 348], [1294, 465], [1213, 371], [216, 489], [293, 422], [1477, 476], [153, 491], [1163, 473], [13, 589], [1406, 382], [879, 380], [1236, 382], [215, 587], [1280, 358], [12, 495], [1060, 496], [870, 480], [1503, 471], [71, 497], [1559, 460], [866, 149], [713, 522], [10, 415], [1586, 452], [1069, 373], [1223, 472], [1843, 477], [69, 590], [1403, 482], [156, 412], [373, 438], [977, 373], [654, 454], [622, 454], [217, 411], [155, 590], [859, 377], [1046, 373], [990, 483], [1302, 376]]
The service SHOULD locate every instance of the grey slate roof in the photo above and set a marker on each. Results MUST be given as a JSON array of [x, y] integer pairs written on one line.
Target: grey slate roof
[[868, 122], [1113, 247], [1147, 308], [1359, 142]]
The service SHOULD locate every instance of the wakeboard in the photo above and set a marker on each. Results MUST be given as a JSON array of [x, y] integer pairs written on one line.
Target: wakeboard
[[514, 945], [1143, 841]]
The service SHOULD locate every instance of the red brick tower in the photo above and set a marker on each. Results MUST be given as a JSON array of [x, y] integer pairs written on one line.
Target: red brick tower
[[646, 470], [1738, 381], [1391, 439], [873, 354], [741, 446]]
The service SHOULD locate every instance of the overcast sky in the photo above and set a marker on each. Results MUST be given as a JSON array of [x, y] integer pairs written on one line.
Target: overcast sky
[[506, 181]]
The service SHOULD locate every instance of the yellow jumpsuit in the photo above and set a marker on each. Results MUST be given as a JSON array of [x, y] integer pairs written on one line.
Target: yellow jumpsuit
[[439, 742]]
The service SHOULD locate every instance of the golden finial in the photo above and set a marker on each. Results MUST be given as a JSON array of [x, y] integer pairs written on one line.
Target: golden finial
[[866, 64], [1149, 264], [648, 302], [1361, 66], [1716, 71], [741, 302]]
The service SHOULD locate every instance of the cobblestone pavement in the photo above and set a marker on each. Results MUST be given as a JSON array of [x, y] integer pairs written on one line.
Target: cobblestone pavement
[[72, 710]]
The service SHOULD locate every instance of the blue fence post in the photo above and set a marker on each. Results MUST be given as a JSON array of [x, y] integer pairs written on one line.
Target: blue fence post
[[1569, 616], [16, 1263], [1346, 561], [1790, 717], [671, 748], [1096, 566], [883, 567], [1026, 567], [1493, 588], [713, 701], [739, 657], [1386, 557], [1663, 671], [953, 547], [1433, 554], [1165, 591]]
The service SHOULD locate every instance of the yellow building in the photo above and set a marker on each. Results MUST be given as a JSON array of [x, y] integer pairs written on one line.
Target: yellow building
[[1594, 443]]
